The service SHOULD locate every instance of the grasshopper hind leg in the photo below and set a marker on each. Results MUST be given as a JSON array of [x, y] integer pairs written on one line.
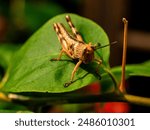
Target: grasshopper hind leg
[[73, 29]]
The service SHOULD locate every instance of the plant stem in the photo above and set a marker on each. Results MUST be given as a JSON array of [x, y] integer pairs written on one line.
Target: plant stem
[[112, 77], [4, 79], [137, 100], [68, 99]]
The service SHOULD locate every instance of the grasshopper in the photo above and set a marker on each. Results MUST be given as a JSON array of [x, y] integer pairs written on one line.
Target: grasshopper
[[74, 46]]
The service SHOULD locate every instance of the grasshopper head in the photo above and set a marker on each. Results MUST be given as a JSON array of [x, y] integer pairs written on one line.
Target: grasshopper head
[[88, 53]]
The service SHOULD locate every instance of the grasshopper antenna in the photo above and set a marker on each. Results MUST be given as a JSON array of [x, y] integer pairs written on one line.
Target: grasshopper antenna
[[99, 45]]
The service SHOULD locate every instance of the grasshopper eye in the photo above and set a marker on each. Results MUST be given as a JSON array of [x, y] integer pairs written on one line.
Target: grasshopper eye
[[85, 51]]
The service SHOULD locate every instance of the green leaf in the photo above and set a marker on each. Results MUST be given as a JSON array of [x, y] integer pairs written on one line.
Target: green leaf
[[32, 70], [142, 69], [6, 53]]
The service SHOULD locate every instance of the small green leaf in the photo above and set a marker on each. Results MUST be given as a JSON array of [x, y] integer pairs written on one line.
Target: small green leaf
[[142, 69], [32, 70], [135, 70]]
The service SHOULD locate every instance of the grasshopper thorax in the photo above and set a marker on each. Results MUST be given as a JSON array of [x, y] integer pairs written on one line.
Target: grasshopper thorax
[[88, 53]]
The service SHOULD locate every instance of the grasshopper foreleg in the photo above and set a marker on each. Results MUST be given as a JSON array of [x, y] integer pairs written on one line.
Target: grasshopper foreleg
[[59, 57]]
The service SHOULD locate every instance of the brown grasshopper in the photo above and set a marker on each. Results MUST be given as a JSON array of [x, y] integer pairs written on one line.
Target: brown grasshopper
[[74, 46]]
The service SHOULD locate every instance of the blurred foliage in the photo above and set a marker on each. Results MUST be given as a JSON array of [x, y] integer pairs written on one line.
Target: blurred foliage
[[8, 107], [37, 14], [6, 53], [23, 17]]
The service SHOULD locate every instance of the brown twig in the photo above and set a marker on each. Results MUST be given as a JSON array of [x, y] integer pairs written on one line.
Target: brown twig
[[122, 84]]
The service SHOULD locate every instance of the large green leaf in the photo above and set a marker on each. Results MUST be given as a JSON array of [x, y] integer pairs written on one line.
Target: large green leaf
[[32, 70]]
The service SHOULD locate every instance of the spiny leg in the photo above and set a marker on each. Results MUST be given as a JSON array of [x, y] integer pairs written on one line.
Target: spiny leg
[[61, 40], [57, 30], [60, 35], [99, 62], [74, 30], [73, 73]]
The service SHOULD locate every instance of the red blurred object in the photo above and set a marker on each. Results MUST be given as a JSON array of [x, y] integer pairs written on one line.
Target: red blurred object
[[109, 107], [112, 107], [94, 88], [91, 89]]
